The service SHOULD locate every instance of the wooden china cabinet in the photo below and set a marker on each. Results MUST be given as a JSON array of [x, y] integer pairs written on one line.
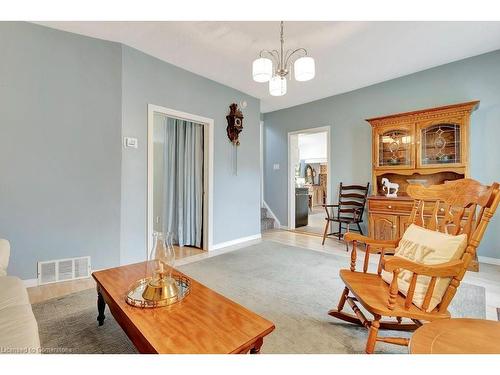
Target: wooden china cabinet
[[428, 146]]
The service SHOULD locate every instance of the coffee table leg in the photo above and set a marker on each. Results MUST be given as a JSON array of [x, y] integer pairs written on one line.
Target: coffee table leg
[[101, 305], [257, 345]]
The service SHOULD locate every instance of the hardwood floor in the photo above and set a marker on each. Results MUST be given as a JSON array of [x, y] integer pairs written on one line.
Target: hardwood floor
[[42, 293], [306, 240], [487, 277], [187, 251], [316, 222]]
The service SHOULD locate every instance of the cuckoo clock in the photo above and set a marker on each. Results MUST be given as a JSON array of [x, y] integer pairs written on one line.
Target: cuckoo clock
[[234, 124]]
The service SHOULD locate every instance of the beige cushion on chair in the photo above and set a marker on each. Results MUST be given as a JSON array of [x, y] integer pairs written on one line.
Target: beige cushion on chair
[[427, 247], [4, 256]]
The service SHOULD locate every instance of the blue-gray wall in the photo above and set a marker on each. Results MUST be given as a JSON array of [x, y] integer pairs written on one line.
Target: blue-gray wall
[[236, 197], [66, 186], [474, 78], [60, 150]]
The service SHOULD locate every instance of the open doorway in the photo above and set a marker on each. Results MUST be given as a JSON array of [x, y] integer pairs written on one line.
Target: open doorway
[[309, 166], [180, 179]]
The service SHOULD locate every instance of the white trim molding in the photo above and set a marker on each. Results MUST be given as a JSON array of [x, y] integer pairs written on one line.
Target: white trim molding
[[261, 156], [208, 161], [489, 260], [277, 223], [236, 241]]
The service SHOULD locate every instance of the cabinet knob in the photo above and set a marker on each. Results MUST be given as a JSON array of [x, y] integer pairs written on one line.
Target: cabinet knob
[[394, 226], [389, 206], [441, 209]]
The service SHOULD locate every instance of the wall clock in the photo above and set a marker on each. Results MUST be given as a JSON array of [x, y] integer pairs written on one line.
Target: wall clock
[[234, 124]]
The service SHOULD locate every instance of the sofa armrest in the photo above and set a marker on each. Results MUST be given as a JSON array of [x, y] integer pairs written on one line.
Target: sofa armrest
[[4, 256]]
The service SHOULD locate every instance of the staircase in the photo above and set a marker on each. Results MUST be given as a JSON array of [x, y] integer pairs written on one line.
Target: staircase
[[266, 222]]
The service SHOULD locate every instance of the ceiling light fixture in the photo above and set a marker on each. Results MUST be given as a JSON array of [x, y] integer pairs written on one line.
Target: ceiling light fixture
[[277, 65]]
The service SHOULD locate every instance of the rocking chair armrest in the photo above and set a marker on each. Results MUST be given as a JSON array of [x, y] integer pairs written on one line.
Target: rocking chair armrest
[[448, 269], [372, 246], [372, 242], [332, 213]]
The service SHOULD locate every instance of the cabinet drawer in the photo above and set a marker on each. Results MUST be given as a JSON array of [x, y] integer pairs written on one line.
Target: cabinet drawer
[[402, 207], [390, 206]]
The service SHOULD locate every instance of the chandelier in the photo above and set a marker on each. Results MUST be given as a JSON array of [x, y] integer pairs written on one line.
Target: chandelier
[[277, 65]]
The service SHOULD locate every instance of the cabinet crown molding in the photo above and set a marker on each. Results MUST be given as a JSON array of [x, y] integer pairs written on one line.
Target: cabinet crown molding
[[459, 109]]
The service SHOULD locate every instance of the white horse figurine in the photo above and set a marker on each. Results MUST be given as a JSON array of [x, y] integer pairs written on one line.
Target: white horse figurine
[[388, 185]]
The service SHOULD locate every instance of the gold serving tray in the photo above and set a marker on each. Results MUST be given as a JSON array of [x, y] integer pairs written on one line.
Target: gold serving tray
[[134, 294]]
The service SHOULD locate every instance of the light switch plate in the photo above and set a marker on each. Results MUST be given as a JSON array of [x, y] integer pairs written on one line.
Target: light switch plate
[[130, 142], [276, 166]]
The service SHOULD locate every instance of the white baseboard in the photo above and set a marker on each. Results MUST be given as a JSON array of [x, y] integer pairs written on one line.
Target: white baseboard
[[236, 241], [489, 260], [284, 227], [277, 223], [29, 283]]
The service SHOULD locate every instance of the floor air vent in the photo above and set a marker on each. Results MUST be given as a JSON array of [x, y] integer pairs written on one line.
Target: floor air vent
[[63, 269]]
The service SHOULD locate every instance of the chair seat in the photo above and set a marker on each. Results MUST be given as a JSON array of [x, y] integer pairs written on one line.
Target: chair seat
[[343, 220], [372, 292]]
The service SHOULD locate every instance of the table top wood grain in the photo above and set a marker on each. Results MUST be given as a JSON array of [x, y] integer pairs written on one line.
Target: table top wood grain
[[203, 322], [457, 336]]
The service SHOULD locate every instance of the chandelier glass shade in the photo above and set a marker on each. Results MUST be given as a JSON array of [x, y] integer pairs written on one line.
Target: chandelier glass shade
[[262, 69], [277, 86], [274, 66], [304, 69]]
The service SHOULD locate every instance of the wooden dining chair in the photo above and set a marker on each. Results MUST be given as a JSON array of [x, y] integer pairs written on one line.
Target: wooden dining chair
[[348, 212], [458, 207]]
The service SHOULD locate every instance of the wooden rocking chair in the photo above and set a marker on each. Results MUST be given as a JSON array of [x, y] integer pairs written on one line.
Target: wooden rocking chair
[[462, 206]]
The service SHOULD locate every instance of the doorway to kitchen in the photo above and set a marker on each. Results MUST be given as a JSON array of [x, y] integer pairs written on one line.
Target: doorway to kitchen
[[309, 171]]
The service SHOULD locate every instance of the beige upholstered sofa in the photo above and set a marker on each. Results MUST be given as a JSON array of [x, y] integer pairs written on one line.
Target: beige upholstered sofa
[[18, 327]]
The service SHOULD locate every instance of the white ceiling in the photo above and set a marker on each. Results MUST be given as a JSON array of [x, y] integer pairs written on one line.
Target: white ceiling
[[349, 55]]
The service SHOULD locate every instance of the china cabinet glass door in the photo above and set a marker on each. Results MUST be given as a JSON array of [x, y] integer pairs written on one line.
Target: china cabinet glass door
[[440, 144], [394, 148]]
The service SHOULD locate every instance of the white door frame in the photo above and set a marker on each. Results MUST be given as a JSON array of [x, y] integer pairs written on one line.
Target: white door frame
[[208, 174], [291, 171], [261, 134]]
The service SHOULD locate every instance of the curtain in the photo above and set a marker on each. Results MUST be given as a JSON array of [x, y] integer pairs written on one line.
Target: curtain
[[183, 181]]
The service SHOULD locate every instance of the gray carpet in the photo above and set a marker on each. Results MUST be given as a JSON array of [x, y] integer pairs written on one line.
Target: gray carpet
[[290, 286]]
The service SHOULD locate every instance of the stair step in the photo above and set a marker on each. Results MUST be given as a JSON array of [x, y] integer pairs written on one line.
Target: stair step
[[263, 212], [266, 223]]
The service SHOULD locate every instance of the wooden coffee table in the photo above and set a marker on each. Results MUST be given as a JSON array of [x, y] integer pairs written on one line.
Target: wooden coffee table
[[457, 336], [203, 322]]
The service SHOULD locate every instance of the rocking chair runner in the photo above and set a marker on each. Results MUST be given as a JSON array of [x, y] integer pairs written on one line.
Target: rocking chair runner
[[462, 206]]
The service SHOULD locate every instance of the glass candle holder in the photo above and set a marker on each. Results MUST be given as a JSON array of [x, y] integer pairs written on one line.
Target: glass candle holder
[[161, 261]]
